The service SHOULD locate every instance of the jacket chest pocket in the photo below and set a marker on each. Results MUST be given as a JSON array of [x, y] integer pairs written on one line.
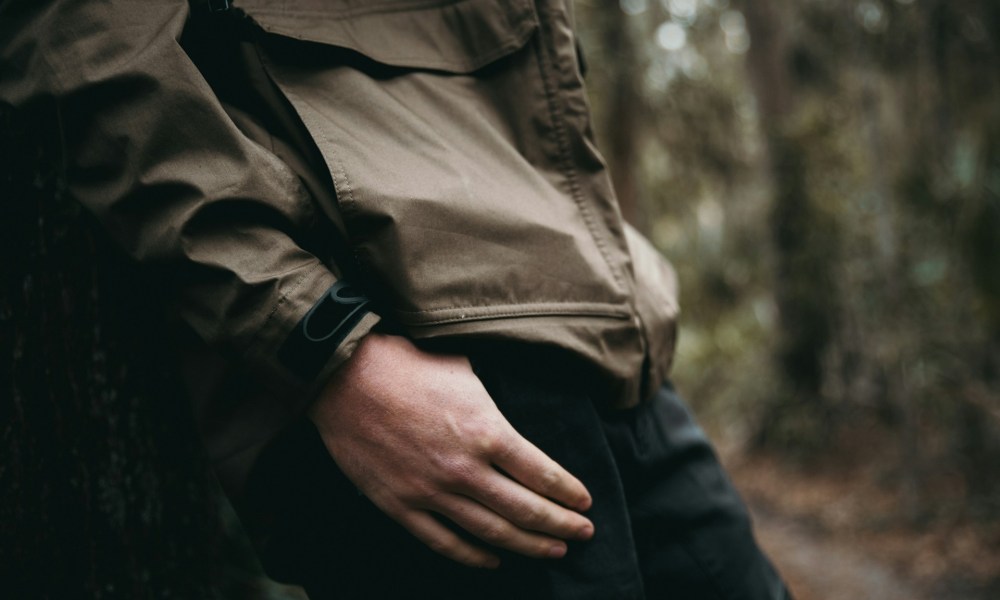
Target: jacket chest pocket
[[435, 124], [457, 36]]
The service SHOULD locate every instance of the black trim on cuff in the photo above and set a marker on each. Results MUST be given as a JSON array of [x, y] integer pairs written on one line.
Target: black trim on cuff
[[318, 335]]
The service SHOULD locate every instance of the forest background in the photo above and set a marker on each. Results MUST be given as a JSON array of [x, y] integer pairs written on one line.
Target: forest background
[[824, 175]]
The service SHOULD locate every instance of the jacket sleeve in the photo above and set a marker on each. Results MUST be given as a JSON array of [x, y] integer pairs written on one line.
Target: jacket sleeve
[[149, 150]]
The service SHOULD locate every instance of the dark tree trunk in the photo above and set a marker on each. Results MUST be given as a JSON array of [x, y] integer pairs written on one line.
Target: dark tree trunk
[[103, 489], [802, 237]]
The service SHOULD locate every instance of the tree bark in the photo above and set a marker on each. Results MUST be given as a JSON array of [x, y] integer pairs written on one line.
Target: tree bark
[[104, 491]]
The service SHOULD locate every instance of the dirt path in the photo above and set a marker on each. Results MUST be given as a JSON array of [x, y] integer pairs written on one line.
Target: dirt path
[[837, 536], [817, 567]]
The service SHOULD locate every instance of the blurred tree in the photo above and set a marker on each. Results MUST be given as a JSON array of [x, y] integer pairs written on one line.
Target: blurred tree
[[623, 112], [825, 177], [804, 241]]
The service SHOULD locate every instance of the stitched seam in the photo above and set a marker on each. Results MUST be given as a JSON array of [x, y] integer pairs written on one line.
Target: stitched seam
[[566, 163], [539, 306], [351, 206], [304, 196], [347, 204], [510, 315]]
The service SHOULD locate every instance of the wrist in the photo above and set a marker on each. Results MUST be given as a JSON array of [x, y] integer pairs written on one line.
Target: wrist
[[350, 378]]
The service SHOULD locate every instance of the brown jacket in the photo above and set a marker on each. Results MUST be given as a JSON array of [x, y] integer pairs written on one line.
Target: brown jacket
[[447, 141]]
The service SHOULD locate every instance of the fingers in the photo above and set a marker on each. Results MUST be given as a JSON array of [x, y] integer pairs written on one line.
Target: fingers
[[440, 539], [539, 473], [529, 510], [498, 531]]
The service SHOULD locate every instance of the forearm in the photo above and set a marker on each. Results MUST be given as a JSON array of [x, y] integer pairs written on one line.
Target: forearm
[[215, 218]]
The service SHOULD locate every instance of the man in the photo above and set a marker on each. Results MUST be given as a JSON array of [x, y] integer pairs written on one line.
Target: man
[[390, 216]]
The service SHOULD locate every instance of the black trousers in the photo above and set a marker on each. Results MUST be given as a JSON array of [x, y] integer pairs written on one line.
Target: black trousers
[[668, 522]]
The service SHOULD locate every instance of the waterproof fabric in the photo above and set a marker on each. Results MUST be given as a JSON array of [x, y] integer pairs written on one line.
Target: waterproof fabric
[[457, 136], [436, 152]]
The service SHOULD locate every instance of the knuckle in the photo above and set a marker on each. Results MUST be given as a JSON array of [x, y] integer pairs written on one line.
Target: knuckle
[[505, 447], [550, 479], [472, 559], [535, 516], [543, 547], [424, 496], [444, 547], [496, 533], [456, 472], [487, 436], [460, 553], [490, 442]]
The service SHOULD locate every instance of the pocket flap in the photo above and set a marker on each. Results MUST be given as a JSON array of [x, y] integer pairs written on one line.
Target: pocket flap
[[457, 36]]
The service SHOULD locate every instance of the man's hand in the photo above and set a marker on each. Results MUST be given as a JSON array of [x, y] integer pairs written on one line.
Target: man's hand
[[419, 435]]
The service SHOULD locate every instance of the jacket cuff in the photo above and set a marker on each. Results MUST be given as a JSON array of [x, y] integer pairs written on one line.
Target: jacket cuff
[[312, 329]]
